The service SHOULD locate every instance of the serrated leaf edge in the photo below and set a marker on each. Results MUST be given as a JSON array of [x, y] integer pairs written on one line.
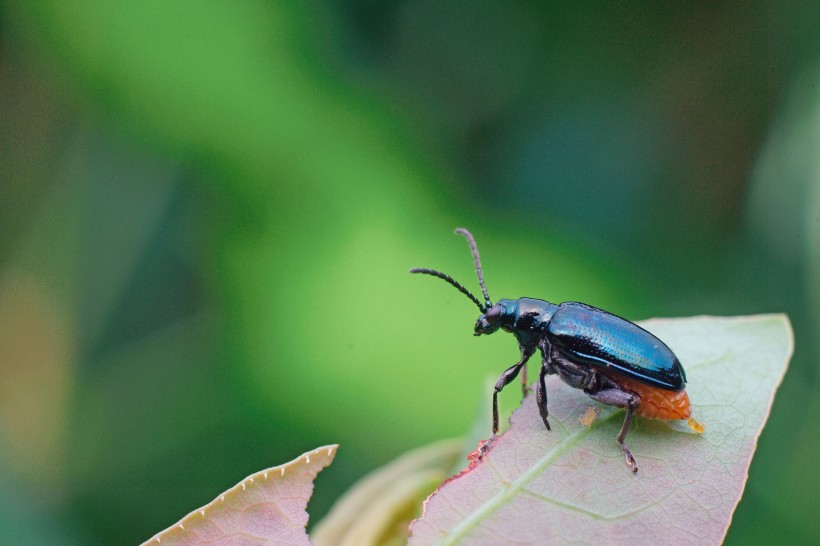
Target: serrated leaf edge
[[323, 455]]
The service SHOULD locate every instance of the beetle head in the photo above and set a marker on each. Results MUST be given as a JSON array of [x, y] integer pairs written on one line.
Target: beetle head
[[498, 316]]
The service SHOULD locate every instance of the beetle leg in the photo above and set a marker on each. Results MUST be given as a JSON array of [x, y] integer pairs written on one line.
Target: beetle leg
[[591, 382], [630, 460], [505, 378], [525, 389], [541, 396], [615, 397], [547, 368]]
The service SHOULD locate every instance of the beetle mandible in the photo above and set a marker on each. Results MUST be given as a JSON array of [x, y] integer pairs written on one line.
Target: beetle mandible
[[613, 360]]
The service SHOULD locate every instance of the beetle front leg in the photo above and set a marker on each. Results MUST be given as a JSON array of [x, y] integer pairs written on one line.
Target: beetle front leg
[[621, 399], [505, 379]]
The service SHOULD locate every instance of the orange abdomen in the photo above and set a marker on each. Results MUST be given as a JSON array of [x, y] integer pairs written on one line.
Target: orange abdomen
[[656, 403]]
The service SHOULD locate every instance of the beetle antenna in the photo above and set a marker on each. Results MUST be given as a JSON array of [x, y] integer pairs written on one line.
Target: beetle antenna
[[474, 248], [452, 281]]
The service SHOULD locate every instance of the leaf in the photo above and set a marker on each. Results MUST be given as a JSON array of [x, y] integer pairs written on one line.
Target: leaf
[[378, 509], [572, 484], [265, 508]]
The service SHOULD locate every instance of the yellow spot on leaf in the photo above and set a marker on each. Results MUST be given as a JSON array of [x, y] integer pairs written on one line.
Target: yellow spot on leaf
[[589, 416], [696, 426]]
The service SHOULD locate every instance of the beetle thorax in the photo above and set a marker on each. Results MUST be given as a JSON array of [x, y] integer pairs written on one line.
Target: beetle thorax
[[531, 320]]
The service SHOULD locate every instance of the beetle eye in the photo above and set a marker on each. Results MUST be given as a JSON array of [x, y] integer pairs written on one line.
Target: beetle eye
[[493, 314]]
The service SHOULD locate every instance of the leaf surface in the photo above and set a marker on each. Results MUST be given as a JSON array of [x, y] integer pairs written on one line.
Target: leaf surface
[[572, 484], [265, 508]]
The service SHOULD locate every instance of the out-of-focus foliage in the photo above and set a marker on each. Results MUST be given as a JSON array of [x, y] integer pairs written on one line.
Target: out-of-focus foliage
[[208, 209], [378, 509]]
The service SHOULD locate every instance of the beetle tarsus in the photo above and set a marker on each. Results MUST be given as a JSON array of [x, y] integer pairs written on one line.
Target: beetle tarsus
[[485, 447], [630, 460]]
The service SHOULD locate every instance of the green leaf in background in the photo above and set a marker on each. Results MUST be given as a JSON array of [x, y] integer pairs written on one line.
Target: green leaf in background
[[571, 484], [265, 508]]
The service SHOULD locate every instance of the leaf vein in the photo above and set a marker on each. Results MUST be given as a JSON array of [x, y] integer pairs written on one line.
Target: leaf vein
[[506, 494]]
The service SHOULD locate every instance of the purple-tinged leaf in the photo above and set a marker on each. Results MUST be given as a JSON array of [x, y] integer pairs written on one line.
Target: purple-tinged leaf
[[265, 508], [572, 484]]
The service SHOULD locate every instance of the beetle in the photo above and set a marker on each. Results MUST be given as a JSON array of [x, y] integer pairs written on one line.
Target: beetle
[[614, 361]]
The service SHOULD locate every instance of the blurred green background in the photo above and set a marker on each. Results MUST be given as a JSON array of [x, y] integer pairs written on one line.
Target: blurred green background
[[208, 210]]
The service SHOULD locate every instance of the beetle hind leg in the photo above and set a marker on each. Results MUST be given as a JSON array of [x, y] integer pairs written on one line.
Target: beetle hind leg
[[615, 397], [630, 460]]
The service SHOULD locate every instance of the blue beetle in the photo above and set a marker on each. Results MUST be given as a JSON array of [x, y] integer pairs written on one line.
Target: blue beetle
[[613, 360]]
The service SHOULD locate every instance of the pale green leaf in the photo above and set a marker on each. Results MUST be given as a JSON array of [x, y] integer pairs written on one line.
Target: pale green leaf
[[572, 484]]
